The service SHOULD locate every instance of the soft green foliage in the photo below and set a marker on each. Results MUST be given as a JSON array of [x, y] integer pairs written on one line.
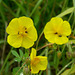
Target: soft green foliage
[[15, 70], [61, 58]]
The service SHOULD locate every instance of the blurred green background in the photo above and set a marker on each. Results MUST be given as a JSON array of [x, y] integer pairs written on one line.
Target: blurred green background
[[41, 11]]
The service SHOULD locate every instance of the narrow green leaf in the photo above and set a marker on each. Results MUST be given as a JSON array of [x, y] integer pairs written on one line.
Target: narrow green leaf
[[69, 10], [2, 13], [74, 3], [15, 53], [36, 19], [38, 3], [21, 7], [8, 8]]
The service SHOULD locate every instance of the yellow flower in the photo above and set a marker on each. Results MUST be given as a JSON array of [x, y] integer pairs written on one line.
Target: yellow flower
[[37, 62], [57, 30], [22, 32]]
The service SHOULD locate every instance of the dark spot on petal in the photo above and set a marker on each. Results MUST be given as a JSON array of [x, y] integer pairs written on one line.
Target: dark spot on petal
[[25, 28], [30, 69], [26, 32], [29, 54], [60, 35], [56, 33], [18, 32]]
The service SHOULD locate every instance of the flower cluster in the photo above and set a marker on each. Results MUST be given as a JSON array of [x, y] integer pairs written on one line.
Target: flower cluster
[[22, 33]]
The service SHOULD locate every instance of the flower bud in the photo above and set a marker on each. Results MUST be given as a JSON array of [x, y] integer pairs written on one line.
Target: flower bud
[[59, 54], [69, 55]]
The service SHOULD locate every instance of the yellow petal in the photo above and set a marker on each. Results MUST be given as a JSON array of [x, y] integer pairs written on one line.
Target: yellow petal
[[50, 37], [49, 28], [61, 40], [14, 40], [25, 21], [32, 33], [52, 27], [27, 42], [33, 53], [66, 29], [39, 63], [57, 23], [34, 69], [13, 27], [42, 65]]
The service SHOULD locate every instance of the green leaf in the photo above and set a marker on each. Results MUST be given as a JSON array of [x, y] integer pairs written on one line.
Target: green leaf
[[17, 59], [21, 53], [72, 70], [15, 53], [74, 3], [70, 10], [66, 72], [25, 56], [15, 70], [69, 71]]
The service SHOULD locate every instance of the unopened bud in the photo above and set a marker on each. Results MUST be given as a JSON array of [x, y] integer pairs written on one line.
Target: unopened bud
[[73, 54], [59, 54], [69, 55]]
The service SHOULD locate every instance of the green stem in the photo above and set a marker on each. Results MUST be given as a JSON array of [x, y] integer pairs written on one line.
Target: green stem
[[21, 7], [46, 54], [40, 73], [70, 16], [38, 3], [6, 60], [63, 48], [64, 68], [39, 39]]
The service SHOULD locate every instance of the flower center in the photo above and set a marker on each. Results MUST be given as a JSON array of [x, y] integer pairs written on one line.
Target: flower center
[[35, 61], [55, 33], [23, 31], [58, 34]]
